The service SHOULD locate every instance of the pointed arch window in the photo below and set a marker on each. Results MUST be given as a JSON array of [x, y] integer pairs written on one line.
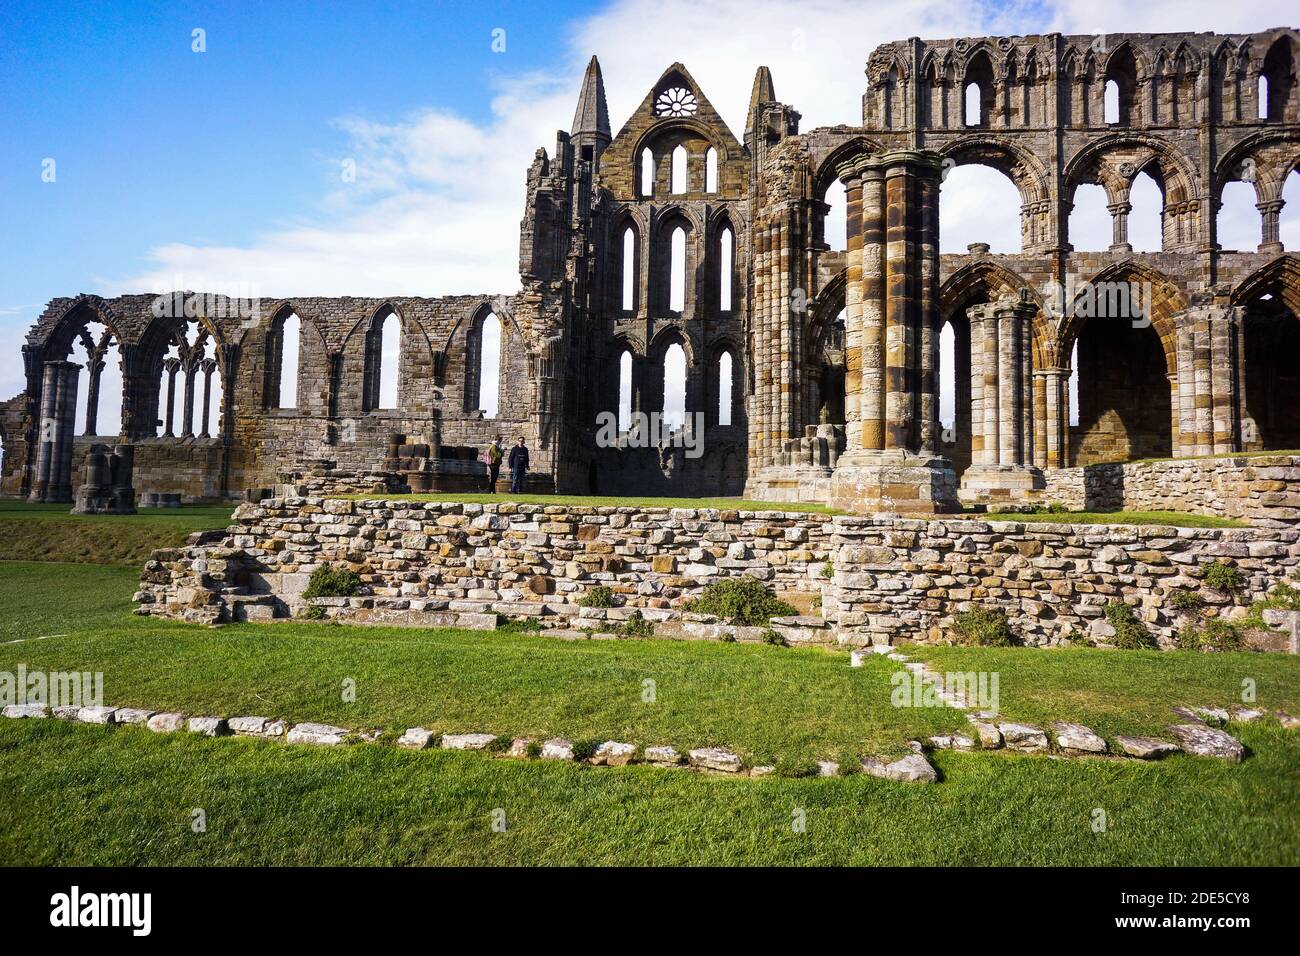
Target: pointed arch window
[[677, 271], [711, 171], [390, 356], [679, 170], [647, 173], [726, 277], [383, 361], [629, 269], [282, 351], [674, 404], [625, 391], [483, 367], [725, 392]]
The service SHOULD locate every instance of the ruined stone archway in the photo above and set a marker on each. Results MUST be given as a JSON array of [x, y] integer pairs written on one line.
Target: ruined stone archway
[[1125, 365], [1270, 342]]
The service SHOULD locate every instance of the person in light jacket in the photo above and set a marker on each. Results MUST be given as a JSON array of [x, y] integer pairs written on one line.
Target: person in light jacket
[[491, 457]]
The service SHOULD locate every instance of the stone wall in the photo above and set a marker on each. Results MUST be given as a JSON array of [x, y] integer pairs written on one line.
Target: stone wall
[[1261, 490], [877, 580], [900, 579], [431, 562]]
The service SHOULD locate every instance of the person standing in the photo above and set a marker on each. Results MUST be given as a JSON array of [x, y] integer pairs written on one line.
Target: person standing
[[518, 463], [492, 456]]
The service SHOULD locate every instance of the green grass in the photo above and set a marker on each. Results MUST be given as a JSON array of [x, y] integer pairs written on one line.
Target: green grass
[[761, 700], [45, 599], [613, 501], [86, 795], [38, 532], [123, 796], [1116, 691], [1173, 519]]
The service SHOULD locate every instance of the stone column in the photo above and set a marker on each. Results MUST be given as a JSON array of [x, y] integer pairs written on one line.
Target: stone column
[[187, 420], [95, 368], [53, 479], [1055, 384], [890, 463], [853, 318], [1270, 214], [1119, 226], [1006, 467], [870, 387], [171, 366], [207, 366]]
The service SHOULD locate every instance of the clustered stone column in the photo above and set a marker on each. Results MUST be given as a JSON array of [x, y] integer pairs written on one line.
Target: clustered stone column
[[1051, 417], [208, 366], [1270, 213], [95, 368], [891, 341], [1206, 388], [191, 370], [171, 366], [53, 479], [1002, 402]]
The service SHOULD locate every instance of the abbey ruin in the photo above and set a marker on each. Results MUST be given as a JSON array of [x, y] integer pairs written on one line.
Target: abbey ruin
[[814, 372]]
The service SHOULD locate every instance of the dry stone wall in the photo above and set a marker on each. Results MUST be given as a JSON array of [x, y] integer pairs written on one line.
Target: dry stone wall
[[904, 579], [1262, 490], [878, 579]]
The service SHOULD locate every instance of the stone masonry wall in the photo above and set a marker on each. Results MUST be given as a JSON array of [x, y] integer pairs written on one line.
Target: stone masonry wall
[[898, 578], [434, 562], [446, 563], [1261, 490]]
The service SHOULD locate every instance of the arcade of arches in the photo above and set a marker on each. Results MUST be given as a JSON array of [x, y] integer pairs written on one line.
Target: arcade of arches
[[779, 300]]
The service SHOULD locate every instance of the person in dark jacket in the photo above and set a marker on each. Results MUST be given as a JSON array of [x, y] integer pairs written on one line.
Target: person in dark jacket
[[518, 462]]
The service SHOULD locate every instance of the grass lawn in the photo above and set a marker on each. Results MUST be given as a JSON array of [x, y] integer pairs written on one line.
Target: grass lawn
[[615, 501], [124, 796], [38, 532], [1125, 692], [1175, 519], [121, 795]]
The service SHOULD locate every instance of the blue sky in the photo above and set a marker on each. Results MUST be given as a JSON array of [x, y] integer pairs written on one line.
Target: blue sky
[[155, 143], [221, 169]]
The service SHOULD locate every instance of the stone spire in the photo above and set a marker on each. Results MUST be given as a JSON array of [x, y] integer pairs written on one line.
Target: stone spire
[[763, 92], [591, 118]]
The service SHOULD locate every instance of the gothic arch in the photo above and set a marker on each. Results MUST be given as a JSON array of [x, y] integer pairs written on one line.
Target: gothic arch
[[70, 322], [1269, 171], [1281, 278], [1008, 157], [991, 281], [825, 171], [1166, 304]]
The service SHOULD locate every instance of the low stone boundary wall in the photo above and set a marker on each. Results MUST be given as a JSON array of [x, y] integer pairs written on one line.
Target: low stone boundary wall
[[857, 580], [897, 578], [434, 563], [1263, 490]]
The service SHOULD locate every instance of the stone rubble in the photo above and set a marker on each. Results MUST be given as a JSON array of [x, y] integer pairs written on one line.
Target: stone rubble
[[1078, 738], [1146, 748], [1023, 738], [466, 741], [1072, 739], [913, 768], [314, 733], [715, 758], [1203, 741], [416, 738]]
